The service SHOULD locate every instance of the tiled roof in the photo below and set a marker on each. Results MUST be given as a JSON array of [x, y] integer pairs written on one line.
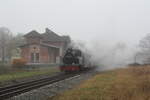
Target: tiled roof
[[33, 34], [48, 36], [51, 36]]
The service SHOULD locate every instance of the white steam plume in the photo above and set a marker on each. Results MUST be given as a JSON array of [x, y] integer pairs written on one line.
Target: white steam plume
[[107, 56]]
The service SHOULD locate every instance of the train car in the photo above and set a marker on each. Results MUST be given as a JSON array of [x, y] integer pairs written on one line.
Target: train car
[[74, 60]]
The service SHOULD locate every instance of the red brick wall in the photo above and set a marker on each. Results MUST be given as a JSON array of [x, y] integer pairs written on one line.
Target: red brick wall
[[25, 53], [33, 40], [59, 44], [44, 56], [52, 53]]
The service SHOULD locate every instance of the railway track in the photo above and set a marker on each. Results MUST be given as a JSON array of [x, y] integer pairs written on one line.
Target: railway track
[[14, 90]]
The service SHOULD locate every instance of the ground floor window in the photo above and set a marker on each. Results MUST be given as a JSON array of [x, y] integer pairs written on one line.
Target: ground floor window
[[32, 57], [35, 57]]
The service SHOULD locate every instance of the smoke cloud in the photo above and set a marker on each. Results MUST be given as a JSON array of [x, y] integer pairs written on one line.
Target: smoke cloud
[[107, 56]]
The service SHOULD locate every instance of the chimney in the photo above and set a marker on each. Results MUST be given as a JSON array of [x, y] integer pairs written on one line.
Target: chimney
[[47, 30]]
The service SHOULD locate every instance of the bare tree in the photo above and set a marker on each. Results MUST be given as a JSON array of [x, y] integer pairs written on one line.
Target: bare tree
[[5, 37], [145, 49], [16, 41], [9, 44], [145, 42]]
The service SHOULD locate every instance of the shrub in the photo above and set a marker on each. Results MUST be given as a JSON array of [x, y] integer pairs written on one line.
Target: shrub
[[18, 62], [5, 68]]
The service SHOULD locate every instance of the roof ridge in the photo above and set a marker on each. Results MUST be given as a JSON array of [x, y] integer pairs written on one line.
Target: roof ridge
[[47, 30], [32, 34], [49, 35]]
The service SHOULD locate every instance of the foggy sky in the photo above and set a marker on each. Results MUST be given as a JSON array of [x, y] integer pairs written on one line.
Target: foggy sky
[[101, 20]]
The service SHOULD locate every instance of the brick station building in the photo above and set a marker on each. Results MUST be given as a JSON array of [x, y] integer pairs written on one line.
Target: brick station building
[[43, 48]]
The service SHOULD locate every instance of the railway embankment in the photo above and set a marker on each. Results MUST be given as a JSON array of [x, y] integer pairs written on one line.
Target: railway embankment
[[55, 88], [131, 83], [18, 76]]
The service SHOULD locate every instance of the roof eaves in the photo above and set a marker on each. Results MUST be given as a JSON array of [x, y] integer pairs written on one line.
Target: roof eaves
[[43, 44]]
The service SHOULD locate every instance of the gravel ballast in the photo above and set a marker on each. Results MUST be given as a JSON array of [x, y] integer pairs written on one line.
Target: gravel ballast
[[51, 90]]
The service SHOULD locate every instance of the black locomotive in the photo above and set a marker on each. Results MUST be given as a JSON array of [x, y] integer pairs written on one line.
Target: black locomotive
[[73, 60]]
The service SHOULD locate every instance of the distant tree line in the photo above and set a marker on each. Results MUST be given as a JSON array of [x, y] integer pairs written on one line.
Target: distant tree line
[[9, 43]]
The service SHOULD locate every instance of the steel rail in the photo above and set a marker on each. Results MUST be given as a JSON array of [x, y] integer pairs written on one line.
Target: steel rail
[[10, 91]]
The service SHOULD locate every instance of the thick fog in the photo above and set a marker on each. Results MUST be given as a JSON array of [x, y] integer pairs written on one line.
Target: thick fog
[[101, 24], [108, 20]]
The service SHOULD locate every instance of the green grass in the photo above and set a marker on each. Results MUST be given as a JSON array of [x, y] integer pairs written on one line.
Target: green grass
[[122, 84], [24, 74]]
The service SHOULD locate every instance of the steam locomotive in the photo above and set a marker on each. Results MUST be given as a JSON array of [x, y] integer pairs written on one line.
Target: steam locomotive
[[74, 60]]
